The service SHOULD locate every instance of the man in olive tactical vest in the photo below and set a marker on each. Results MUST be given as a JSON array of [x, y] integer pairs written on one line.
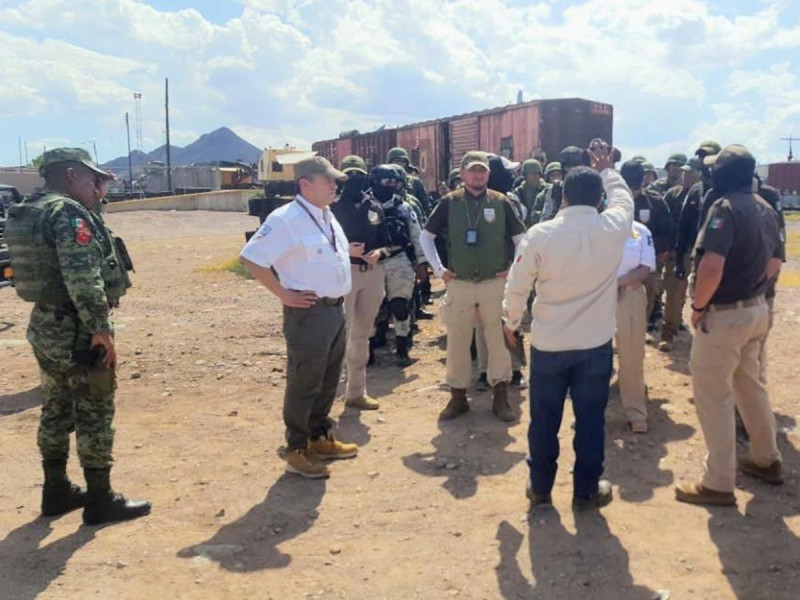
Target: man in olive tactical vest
[[70, 265], [482, 231]]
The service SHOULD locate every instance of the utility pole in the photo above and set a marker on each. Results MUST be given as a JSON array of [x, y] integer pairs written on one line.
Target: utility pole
[[130, 165], [169, 158], [19, 141], [790, 139]]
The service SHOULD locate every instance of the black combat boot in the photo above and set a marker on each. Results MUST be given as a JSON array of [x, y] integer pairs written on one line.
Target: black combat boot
[[105, 506], [500, 406], [423, 315], [59, 495], [402, 344]]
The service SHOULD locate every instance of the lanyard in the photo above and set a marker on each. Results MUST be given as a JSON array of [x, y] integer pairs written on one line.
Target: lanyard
[[478, 216], [332, 239]]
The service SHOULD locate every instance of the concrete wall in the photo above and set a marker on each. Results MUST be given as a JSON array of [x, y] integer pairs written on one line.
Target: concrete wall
[[223, 200], [25, 180]]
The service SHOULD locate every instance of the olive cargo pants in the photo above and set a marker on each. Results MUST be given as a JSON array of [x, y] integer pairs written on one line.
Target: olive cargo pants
[[76, 398], [675, 298], [726, 373], [315, 347]]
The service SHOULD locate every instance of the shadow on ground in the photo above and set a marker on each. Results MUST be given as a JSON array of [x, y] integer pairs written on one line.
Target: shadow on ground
[[597, 564], [11, 404], [471, 446], [746, 542], [26, 568], [251, 542], [633, 462]]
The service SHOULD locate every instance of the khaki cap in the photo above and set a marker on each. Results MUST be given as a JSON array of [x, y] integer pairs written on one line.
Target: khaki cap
[[729, 155], [709, 147], [79, 155], [316, 166], [473, 158]]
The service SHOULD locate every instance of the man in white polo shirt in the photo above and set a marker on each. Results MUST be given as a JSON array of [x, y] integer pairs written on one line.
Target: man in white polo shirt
[[573, 260], [301, 255]]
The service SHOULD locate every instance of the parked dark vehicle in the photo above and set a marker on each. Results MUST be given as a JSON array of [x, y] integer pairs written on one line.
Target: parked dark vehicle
[[8, 195]]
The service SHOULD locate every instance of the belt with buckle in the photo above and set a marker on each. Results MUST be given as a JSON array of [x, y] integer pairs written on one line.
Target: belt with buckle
[[740, 304], [332, 301]]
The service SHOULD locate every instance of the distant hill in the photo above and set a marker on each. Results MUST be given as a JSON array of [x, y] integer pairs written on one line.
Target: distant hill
[[220, 145]]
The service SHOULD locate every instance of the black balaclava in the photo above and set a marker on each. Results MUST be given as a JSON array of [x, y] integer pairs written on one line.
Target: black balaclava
[[733, 176], [355, 184], [500, 179]]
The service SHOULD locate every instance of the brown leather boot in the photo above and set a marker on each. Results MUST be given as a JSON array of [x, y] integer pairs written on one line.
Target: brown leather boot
[[457, 406], [500, 406]]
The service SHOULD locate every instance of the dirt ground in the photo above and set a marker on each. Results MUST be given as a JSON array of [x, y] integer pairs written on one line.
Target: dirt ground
[[426, 511]]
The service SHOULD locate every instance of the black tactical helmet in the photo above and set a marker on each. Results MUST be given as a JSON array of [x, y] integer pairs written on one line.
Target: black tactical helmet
[[570, 157], [386, 176]]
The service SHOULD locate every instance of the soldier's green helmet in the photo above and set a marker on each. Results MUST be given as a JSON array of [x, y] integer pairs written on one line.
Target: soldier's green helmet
[[649, 168], [353, 163], [454, 174], [553, 166], [677, 160], [531, 167], [397, 153]]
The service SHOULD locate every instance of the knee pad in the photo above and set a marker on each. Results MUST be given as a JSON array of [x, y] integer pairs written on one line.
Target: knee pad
[[399, 308]]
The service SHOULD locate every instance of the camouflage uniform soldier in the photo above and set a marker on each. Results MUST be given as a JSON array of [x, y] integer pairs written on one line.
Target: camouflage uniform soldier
[[528, 191], [70, 265], [553, 175]]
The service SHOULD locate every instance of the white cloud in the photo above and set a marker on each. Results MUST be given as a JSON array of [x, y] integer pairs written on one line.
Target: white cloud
[[299, 70]]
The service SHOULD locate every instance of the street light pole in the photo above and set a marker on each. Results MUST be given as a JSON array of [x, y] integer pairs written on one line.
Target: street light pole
[[130, 165]]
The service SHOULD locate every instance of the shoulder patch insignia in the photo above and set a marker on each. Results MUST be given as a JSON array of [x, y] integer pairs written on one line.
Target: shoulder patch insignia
[[263, 231], [83, 234], [716, 223]]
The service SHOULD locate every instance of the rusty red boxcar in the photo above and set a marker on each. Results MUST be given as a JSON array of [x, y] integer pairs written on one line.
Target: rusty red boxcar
[[540, 128]]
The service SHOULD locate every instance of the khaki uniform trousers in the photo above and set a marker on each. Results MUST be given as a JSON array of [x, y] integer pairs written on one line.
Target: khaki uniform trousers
[[463, 304], [361, 306], [630, 338], [676, 298], [400, 277], [726, 373], [763, 358], [483, 352]]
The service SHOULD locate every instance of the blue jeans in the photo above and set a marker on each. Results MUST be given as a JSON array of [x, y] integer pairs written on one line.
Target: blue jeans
[[586, 374]]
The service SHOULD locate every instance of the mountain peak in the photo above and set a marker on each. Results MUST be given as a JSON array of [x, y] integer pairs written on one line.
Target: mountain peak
[[220, 145]]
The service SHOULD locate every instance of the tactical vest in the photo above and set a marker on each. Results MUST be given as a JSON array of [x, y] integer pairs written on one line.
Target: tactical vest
[[487, 257], [37, 272]]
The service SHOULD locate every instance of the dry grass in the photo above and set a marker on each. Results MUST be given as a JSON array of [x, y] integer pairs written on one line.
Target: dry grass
[[789, 278], [231, 266], [792, 216]]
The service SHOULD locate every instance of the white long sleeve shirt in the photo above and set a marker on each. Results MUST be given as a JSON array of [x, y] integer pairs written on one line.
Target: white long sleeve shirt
[[573, 260]]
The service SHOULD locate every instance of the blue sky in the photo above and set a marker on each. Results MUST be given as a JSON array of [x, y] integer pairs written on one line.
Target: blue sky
[[296, 71]]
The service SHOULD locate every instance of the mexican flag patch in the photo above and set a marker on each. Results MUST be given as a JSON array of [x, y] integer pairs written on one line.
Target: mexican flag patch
[[83, 235]]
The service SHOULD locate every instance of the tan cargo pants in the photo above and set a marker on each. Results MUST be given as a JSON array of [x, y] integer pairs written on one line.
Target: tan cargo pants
[[463, 304], [361, 307], [726, 372], [630, 339], [675, 299]]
